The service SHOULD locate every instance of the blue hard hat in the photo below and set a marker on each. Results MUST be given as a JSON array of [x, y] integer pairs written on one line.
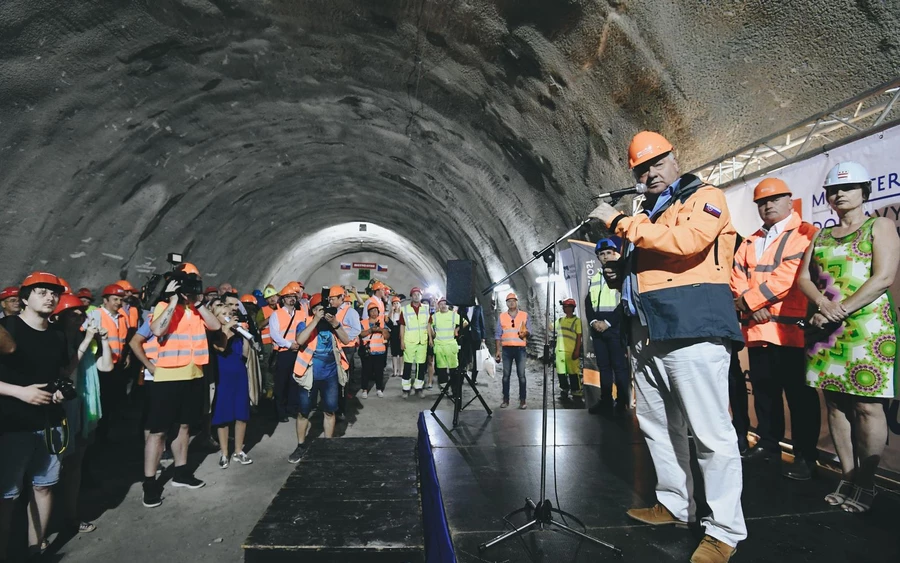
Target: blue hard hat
[[607, 244]]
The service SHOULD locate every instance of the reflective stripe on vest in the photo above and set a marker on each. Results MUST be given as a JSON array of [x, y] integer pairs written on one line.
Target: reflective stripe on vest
[[595, 286], [266, 335], [510, 329], [445, 326], [416, 325], [284, 319], [186, 342], [151, 349], [375, 341], [131, 316], [117, 331], [305, 357]]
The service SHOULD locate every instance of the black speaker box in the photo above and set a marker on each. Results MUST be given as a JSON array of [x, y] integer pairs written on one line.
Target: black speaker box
[[461, 282]]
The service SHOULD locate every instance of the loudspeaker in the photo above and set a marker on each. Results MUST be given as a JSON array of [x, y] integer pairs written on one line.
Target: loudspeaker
[[461, 282]]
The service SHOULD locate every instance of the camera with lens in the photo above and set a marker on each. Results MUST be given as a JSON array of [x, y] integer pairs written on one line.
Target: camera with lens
[[64, 386], [154, 290]]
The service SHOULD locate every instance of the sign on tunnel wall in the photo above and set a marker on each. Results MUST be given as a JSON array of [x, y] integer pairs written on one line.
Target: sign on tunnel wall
[[878, 153]]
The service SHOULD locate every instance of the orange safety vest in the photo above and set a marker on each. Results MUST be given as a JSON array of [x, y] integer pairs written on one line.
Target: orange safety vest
[[305, 357], [117, 330], [342, 312], [266, 335], [771, 283], [131, 316], [185, 343], [375, 341], [511, 334], [378, 303], [284, 319], [151, 350]]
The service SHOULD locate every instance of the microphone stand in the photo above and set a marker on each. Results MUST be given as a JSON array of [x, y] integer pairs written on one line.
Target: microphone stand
[[541, 514]]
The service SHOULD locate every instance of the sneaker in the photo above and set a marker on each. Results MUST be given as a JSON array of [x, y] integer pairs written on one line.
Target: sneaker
[[522, 405], [712, 550], [188, 482], [379, 393], [404, 395], [657, 515], [363, 394], [578, 393], [420, 393], [504, 404], [298, 454], [152, 494], [223, 461], [242, 458], [564, 395]]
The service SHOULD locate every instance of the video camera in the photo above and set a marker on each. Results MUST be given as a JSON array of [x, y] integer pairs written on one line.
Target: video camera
[[154, 290]]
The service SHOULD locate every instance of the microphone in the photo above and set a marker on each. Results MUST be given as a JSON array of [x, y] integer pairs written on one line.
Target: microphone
[[616, 194], [243, 332]]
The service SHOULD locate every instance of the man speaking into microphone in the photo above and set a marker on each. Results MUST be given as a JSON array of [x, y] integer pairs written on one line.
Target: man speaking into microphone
[[676, 292]]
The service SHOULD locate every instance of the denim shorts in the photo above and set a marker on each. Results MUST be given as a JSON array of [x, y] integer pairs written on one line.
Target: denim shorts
[[307, 399], [25, 455]]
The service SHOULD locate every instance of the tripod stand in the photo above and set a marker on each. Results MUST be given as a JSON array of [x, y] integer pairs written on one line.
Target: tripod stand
[[541, 513], [455, 386]]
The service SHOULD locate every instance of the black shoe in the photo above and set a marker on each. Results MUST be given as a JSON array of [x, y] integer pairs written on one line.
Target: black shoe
[[800, 470], [297, 454], [188, 482], [283, 419], [761, 453], [152, 494]]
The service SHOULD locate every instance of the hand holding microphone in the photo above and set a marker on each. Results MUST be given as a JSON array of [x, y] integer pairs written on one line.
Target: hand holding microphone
[[241, 330], [604, 211]]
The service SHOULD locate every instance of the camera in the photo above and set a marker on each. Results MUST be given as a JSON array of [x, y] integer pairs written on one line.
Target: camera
[[154, 290], [64, 386]]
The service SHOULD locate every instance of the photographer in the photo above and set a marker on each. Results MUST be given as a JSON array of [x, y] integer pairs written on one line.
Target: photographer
[[320, 366], [31, 415], [177, 394]]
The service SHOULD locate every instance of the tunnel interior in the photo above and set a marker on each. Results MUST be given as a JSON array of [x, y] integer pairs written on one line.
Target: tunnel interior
[[254, 136]]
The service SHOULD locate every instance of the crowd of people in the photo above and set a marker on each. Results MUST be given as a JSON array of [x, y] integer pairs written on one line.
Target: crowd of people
[[678, 293]]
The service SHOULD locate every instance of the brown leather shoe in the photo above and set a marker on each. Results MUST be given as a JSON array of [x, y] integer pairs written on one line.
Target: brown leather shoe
[[656, 515], [712, 550]]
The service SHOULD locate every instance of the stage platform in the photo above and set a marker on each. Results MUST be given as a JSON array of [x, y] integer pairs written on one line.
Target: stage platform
[[486, 467]]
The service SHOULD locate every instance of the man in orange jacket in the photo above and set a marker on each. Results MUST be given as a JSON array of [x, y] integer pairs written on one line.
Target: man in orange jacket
[[763, 282], [682, 324]]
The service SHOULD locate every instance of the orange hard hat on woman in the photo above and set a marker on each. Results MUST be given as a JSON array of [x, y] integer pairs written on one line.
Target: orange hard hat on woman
[[66, 302], [395, 299], [647, 145]]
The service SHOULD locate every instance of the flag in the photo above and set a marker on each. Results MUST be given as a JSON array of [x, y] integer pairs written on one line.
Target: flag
[[345, 266], [382, 268]]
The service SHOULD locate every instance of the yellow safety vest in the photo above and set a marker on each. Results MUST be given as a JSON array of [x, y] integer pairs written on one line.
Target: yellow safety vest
[[416, 325], [566, 336], [445, 326]]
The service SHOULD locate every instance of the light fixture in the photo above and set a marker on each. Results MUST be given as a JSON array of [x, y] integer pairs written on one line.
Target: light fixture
[[432, 289], [502, 287], [362, 227]]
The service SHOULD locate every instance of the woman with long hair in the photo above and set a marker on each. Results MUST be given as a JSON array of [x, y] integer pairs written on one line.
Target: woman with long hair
[[392, 323], [232, 400], [852, 344]]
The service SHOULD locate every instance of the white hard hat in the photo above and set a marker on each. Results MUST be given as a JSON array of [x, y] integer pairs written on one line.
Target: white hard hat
[[847, 173]]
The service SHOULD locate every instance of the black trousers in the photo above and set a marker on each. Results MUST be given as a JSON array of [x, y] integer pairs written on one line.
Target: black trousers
[[781, 369], [613, 367], [737, 396], [113, 394], [284, 382], [353, 380], [569, 382], [373, 371]]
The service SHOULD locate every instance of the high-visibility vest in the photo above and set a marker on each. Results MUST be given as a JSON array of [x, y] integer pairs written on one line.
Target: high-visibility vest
[[185, 343], [566, 337], [770, 282], [151, 349], [374, 341], [266, 335], [285, 319], [341, 315], [117, 330], [603, 297], [374, 300], [416, 325], [305, 357], [132, 316], [445, 326], [511, 334]]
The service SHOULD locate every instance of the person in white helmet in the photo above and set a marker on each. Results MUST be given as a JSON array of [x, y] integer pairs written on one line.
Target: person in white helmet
[[852, 352]]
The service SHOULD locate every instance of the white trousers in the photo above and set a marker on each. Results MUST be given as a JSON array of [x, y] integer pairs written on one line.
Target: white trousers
[[680, 384]]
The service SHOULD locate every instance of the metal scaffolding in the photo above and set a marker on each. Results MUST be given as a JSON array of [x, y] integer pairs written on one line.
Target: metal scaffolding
[[864, 115]]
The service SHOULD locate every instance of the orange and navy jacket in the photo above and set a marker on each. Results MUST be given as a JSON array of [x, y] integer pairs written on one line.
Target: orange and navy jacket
[[681, 263], [771, 283]]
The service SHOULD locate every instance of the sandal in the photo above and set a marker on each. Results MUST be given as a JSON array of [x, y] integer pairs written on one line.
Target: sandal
[[86, 527], [844, 489], [860, 501]]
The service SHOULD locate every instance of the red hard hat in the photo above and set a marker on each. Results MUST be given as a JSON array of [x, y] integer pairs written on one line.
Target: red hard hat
[[210, 289], [770, 187], [9, 292], [44, 278], [316, 299], [126, 285], [113, 289], [85, 293], [415, 289], [304, 296], [647, 145], [68, 301], [568, 302]]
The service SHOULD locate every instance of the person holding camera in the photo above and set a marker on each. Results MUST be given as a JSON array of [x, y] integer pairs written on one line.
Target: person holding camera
[[320, 367], [34, 373], [373, 351], [179, 323]]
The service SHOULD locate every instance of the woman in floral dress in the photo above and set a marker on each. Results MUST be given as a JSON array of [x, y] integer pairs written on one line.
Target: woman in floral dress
[[852, 349]]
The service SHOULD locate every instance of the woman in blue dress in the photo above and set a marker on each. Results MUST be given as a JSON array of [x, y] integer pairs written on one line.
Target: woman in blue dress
[[232, 400]]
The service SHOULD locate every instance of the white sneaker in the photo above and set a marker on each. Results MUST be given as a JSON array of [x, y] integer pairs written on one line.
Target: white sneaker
[[363, 394], [380, 393]]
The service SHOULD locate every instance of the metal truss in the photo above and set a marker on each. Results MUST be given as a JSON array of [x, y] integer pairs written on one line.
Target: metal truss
[[861, 116]]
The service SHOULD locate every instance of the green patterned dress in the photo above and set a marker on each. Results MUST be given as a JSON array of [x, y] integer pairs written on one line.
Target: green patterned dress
[[860, 357]]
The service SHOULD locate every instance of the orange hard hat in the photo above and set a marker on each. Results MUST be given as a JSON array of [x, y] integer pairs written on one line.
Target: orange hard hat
[[9, 292], [769, 187], [645, 146], [316, 299], [336, 290], [113, 289], [66, 287], [512, 296], [188, 268], [247, 298], [44, 278], [126, 285], [66, 302], [348, 298], [292, 288], [395, 299], [300, 283], [378, 285]]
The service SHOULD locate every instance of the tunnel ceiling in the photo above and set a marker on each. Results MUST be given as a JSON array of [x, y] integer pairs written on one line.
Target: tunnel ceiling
[[230, 129]]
